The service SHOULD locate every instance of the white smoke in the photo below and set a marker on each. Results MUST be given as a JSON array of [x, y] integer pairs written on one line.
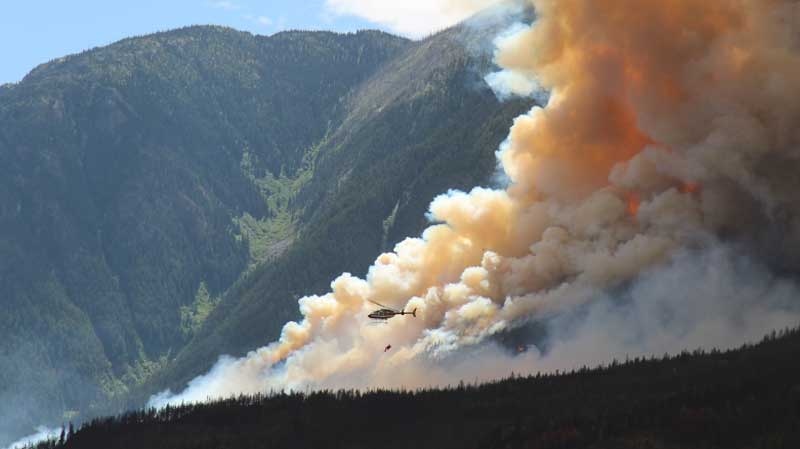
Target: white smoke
[[509, 83], [649, 154], [715, 298], [42, 433]]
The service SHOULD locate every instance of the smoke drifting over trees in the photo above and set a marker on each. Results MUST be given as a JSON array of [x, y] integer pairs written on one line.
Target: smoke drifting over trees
[[651, 207], [744, 398]]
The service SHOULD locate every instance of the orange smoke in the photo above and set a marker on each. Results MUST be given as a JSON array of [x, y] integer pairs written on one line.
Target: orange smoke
[[612, 67], [651, 102], [633, 204], [690, 187]]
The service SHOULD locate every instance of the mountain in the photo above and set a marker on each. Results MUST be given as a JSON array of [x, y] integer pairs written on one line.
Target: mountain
[[423, 124], [126, 173], [749, 397], [166, 199]]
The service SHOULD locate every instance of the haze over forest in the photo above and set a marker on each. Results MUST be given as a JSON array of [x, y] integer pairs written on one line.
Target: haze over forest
[[204, 212]]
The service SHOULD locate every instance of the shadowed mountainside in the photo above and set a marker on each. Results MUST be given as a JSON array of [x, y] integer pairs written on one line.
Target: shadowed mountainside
[[166, 199], [425, 123], [127, 176]]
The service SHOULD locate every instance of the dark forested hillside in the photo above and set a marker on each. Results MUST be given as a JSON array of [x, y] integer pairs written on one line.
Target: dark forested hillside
[[746, 398], [423, 124], [133, 179], [166, 199]]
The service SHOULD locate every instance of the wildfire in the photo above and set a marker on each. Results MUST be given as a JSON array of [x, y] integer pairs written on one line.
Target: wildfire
[[633, 204], [690, 187]]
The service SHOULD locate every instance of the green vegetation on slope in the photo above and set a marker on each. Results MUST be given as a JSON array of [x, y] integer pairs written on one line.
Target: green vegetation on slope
[[136, 177], [423, 124], [194, 314], [166, 199]]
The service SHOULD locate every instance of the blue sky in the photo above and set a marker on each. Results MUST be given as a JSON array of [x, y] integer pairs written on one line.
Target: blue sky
[[35, 31]]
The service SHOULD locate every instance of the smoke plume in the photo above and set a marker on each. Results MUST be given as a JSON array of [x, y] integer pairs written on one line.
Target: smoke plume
[[42, 434], [650, 203]]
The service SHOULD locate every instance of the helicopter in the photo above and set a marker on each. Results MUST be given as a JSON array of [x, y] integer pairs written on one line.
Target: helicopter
[[387, 312]]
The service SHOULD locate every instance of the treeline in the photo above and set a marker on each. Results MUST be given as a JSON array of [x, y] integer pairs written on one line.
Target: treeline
[[749, 397]]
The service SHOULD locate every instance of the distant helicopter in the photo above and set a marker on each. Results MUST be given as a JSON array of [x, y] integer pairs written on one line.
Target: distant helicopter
[[387, 312]]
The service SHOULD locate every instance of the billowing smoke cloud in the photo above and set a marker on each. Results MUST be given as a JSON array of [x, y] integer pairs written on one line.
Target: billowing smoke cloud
[[414, 18], [631, 223]]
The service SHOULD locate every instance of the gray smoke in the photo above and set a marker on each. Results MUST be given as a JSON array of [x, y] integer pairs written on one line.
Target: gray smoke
[[632, 223]]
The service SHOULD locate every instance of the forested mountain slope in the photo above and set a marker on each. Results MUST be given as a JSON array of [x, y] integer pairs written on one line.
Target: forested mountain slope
[[423, 124], [166, 199], [138, 182]]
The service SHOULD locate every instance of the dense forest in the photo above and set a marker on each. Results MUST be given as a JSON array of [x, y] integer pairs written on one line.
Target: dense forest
[[125, 173], [744, 398], [424, 124], [167, 198]]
